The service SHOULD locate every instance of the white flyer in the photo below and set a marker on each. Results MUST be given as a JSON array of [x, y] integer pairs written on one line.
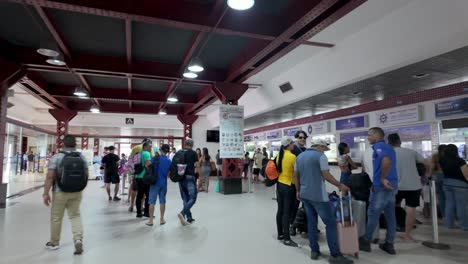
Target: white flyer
[[231, 131]]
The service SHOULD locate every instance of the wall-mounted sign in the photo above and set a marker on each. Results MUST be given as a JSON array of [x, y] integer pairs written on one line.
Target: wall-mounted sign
[[276, 134], [231, 131], [399, 115], [352, 138], [351, 123], [129, 121], [290, 132], [258, 137], [452, 107], [411, 133], [247, 138], [317, 128]]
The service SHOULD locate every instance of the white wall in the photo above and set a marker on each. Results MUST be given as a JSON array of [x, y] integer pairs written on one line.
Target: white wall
[[199, 135]]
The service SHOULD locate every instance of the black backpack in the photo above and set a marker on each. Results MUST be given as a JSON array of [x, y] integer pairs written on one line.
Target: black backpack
[[179, 158], [151, 174], [72, 175]]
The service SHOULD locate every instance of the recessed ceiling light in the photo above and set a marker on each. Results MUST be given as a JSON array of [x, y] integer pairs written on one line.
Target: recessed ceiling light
[[190, 75], [48, 49], [196, 65], [95, 109], [80, 92], [241, 4], [172, 99], [55, 61], [421, 75], [162, 112], [357, 93]]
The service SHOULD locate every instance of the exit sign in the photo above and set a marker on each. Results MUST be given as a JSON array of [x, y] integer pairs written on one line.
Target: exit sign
[[129, 121]]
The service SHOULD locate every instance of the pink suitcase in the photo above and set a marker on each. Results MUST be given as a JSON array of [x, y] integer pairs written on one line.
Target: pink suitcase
[[348, 232]]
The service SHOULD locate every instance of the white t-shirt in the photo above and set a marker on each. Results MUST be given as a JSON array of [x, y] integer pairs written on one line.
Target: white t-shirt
[[366, 161], [171, 156], [408, 176]]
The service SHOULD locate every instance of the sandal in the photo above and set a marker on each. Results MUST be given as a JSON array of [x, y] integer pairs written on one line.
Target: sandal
[[148, 224]]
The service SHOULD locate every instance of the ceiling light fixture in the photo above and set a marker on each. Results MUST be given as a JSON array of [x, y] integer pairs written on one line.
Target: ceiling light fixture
[[80, 92], [48, 49], [95, 109], [190, 75], [196, 65], [420, 75], [162, 112], [57, 60], [172, 99], [241, 4]]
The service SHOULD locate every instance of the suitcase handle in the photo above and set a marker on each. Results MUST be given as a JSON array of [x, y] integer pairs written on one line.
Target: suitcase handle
[[350, 208]]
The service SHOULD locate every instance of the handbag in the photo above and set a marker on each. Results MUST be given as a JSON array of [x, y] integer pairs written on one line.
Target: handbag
[[151, 173]]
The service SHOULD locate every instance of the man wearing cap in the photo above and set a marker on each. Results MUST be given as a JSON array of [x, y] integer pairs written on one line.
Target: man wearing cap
[[311, 172]]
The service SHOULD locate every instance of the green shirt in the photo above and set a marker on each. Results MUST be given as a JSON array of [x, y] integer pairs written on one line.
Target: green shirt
[[145, 155]]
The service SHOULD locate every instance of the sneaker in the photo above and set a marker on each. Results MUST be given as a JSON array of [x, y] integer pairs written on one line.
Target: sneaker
[[387, 247], [364, 245], [110, 198], [315, 255], [340, 260], [290, 243], [280, 237], [116, 199], [375, 241], [190, 221], [146, 215], [52, 246], [139, 215], [78, 247], [182, 219], [130, 209]]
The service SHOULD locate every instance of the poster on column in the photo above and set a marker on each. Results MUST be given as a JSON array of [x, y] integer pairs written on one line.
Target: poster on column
[[231, 131]]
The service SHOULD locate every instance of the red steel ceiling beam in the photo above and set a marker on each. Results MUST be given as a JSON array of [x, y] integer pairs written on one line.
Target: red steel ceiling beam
[[115, 67], [204, 98], [344, 10], [36, 86], [254, 57], [229, 92], [63, 47], [108, 107], [115, 94], [128, 45], [113, 10], [9, 75]]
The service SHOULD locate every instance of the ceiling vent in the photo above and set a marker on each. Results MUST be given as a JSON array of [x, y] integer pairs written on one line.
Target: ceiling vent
[[286, 87]]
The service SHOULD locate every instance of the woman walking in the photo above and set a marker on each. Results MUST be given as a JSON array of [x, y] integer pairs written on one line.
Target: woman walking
[[205, 165]]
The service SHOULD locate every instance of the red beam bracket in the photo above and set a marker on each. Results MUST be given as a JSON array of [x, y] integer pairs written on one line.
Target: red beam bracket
[[229, 92]]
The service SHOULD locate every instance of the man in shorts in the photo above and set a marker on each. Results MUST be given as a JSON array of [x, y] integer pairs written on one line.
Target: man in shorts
[[409, 181], [110, 163], [159, 189]]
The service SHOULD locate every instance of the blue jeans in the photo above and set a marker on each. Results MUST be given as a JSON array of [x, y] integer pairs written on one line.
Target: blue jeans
[[325, 211], [156, 191], [381, 200], [456, 200], [344, 179], [188, 192], [439, 185]]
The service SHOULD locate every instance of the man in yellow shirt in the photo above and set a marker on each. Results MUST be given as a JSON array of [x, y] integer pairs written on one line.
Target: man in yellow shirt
[[285, 162]]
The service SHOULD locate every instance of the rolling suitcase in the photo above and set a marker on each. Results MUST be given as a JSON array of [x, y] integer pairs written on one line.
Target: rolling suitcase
[[347, 230], [360, 218]]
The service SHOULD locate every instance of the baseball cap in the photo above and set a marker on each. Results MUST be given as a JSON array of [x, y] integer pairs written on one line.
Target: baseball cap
[[286, 141], [320, 142]]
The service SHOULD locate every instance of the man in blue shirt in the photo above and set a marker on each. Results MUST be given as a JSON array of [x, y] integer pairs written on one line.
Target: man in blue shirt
[[311, 172], [384, 189], [160, 187]]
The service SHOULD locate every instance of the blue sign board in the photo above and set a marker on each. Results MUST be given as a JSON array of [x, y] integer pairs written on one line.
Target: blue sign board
[[452, 107], [351, 123], [351, 138], [290, 132]]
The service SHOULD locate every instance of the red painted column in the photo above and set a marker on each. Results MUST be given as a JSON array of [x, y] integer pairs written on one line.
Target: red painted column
[[96, 146], [63, 117], [84, 141], [187, 121], [9, 75], [230, 93]]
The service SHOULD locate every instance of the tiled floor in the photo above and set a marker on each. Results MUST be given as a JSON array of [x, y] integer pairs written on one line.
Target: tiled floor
[[228, 229], [25, 181]]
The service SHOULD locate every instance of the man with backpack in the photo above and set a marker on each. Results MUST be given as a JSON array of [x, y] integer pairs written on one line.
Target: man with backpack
[[183, 172], [161, 164], [143, 189], [67, 176]]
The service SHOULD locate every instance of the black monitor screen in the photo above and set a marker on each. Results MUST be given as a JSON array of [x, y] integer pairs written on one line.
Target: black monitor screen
[[212, 136]]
